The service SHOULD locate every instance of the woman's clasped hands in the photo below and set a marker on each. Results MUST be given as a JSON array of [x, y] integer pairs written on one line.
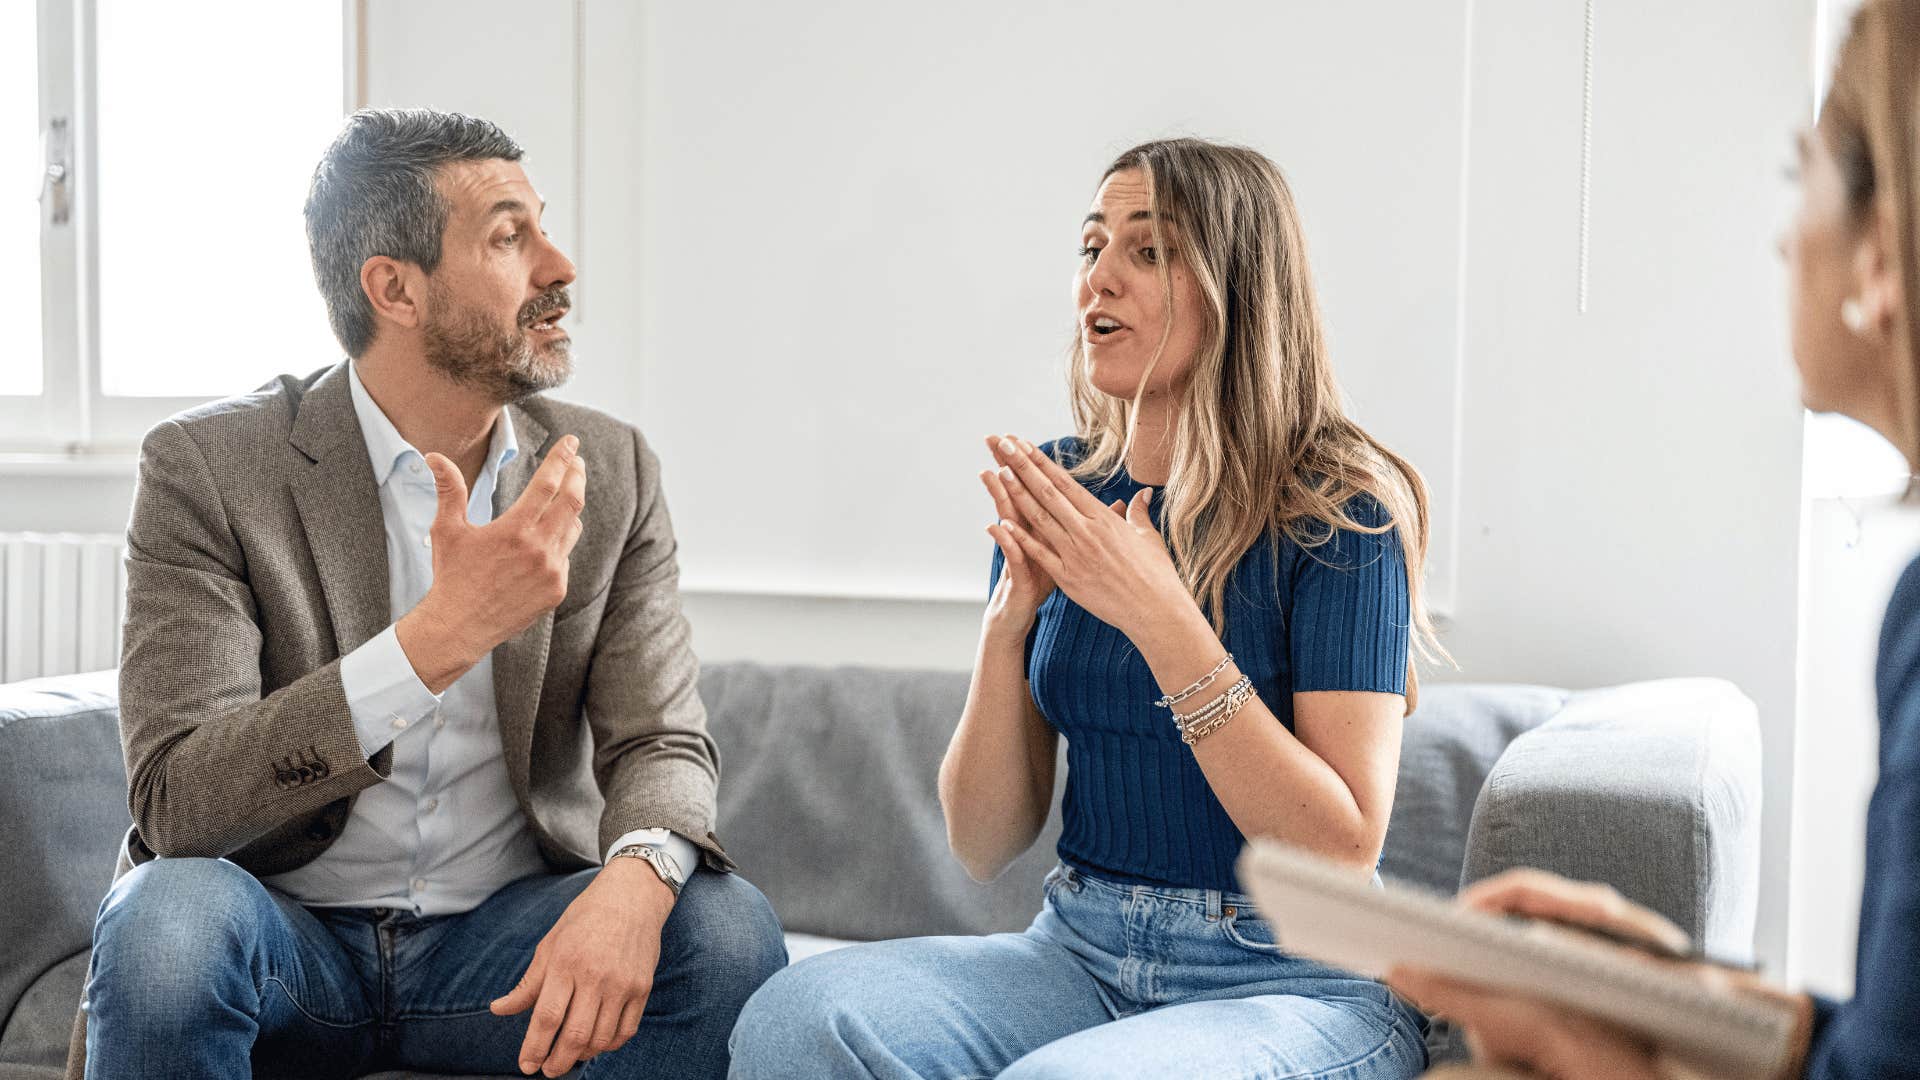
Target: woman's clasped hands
[[1109, 558]]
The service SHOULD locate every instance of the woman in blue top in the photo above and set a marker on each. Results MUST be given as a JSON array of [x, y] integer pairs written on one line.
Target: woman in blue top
[[1853, 255], [1211, 592]]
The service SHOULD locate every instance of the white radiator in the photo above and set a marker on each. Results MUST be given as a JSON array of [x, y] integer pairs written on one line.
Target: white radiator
[[61, 599]]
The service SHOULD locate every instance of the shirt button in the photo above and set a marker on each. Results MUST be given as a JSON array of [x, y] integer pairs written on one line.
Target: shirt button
[[416, 467], [430, 805], [439, 722], [419, 885], [399, 722], [426, 541]]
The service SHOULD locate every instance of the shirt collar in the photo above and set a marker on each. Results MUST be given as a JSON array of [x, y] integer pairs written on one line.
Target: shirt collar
[[387, 448]]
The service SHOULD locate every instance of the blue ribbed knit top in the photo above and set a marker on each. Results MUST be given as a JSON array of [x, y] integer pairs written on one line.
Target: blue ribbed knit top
[[1137, 807]]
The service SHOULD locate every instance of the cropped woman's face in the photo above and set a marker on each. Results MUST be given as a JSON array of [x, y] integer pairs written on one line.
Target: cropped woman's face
[[1834, 263], [1122, 303]]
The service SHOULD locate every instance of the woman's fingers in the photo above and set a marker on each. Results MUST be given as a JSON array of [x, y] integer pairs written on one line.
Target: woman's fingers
[[1508, 1030], [1016, 558], [1541, 895], [1041, 487], [1002, 502], [1038, 519], [1061, 479], [1037, 553]]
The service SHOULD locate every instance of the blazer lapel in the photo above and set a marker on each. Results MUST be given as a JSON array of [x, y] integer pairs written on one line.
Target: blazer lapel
[[340, 510], [520, 662]]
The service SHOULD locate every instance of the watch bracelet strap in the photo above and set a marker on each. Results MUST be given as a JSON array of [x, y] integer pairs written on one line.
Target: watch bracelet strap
[[648, 853]]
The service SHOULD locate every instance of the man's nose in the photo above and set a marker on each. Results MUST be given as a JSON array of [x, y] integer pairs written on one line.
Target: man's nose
[[554, 267]]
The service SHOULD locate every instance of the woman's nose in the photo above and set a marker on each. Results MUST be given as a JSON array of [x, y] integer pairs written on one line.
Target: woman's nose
[[1103, 279]]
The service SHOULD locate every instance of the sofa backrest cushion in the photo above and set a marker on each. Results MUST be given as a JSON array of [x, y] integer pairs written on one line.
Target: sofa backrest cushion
[[828, 801], [1446, 751], [828, 795]]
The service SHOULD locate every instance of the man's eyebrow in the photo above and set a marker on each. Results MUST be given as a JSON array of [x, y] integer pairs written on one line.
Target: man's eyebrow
[[1099, 218], [512, 206]]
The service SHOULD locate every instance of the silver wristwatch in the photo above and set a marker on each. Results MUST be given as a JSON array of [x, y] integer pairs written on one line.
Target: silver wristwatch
[[657, 858]]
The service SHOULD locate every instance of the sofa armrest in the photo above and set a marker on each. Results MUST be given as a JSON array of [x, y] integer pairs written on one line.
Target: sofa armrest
[[1653, 788]]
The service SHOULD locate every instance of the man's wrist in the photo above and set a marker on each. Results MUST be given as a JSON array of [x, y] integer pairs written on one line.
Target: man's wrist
[[434, 648], [640, 875]]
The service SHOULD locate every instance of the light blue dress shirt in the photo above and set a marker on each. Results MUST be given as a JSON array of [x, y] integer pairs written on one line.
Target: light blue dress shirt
[[444, 831]]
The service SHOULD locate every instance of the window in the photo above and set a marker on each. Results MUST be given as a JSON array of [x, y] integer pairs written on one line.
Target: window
[[20, 156], [174, 143]]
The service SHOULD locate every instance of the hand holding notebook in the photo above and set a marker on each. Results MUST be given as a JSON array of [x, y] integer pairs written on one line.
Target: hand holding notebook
[[1328, 913]]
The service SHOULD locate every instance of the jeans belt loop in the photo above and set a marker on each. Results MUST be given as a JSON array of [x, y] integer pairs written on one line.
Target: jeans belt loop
[[1213, 905], [1070, 877]]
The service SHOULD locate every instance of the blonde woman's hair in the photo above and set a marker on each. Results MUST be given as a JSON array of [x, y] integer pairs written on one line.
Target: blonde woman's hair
[[1263, 446], [1868, 123]]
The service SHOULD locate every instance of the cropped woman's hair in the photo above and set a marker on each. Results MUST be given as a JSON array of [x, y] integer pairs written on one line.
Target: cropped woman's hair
[[1263, 444], [1866, 123]]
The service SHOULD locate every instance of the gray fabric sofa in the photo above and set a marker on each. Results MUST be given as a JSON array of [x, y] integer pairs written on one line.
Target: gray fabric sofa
[[828, 804]]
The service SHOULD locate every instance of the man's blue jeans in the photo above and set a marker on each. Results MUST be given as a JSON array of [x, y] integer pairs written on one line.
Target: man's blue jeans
[[201, 971]]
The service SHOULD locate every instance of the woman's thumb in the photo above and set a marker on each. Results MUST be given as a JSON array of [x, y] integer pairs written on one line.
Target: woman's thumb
[[1137, 508]]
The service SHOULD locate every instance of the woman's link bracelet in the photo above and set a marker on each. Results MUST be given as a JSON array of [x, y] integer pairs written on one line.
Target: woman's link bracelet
[[1215, 714], [1206, 680]]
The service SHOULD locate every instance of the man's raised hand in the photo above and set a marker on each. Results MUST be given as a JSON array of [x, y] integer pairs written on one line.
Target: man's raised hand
[[492, 581]]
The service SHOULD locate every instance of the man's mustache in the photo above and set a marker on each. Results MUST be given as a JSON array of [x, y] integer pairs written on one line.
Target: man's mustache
[[545, 304]]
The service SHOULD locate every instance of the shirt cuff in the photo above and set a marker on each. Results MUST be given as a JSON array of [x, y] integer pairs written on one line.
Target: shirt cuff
[[384, 694], [682, 850]]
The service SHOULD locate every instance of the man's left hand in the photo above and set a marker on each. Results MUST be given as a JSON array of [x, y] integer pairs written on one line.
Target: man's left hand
[[592, 973]]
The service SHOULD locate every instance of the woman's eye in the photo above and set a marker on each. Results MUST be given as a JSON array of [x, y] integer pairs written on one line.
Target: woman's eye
[[1151, 254], [1089, 253]]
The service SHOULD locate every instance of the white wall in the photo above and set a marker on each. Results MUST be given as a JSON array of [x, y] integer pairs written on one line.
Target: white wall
[[1622, 484], [1630, 476]]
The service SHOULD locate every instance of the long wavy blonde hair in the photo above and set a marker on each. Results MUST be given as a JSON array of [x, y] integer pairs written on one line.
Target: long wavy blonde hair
[[1262, 445]]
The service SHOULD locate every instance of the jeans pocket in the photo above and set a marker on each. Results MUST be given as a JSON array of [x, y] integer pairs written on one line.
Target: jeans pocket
[[1251, 933]]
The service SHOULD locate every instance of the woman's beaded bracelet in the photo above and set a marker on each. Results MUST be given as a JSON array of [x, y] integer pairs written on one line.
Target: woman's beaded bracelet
[[1215, 714], [1205, 681]]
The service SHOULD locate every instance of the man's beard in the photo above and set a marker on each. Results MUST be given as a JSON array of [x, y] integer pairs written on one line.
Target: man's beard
[[473, 350]]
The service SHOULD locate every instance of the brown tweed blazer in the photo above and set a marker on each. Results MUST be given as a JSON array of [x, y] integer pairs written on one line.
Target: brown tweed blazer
[[257, 558]]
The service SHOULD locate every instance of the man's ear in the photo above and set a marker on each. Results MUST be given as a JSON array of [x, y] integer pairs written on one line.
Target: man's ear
[[1876, 272], [397, 290]]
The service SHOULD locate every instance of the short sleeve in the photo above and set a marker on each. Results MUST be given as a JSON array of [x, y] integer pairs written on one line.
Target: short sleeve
[[1349, 619]]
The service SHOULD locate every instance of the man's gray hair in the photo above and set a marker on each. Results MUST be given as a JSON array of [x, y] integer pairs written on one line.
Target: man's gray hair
[[375, 192]]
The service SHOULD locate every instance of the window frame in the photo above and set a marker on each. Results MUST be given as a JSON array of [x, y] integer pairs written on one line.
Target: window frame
[[71, 418]]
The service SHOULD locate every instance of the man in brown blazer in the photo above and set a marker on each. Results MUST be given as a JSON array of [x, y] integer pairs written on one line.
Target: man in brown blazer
[[410, 713]]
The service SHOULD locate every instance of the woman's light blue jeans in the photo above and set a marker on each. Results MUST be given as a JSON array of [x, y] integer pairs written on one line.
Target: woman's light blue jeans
[[1110, 981]]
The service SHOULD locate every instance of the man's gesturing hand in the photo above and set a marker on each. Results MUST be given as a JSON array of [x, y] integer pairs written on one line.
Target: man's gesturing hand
[[492, 581]]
